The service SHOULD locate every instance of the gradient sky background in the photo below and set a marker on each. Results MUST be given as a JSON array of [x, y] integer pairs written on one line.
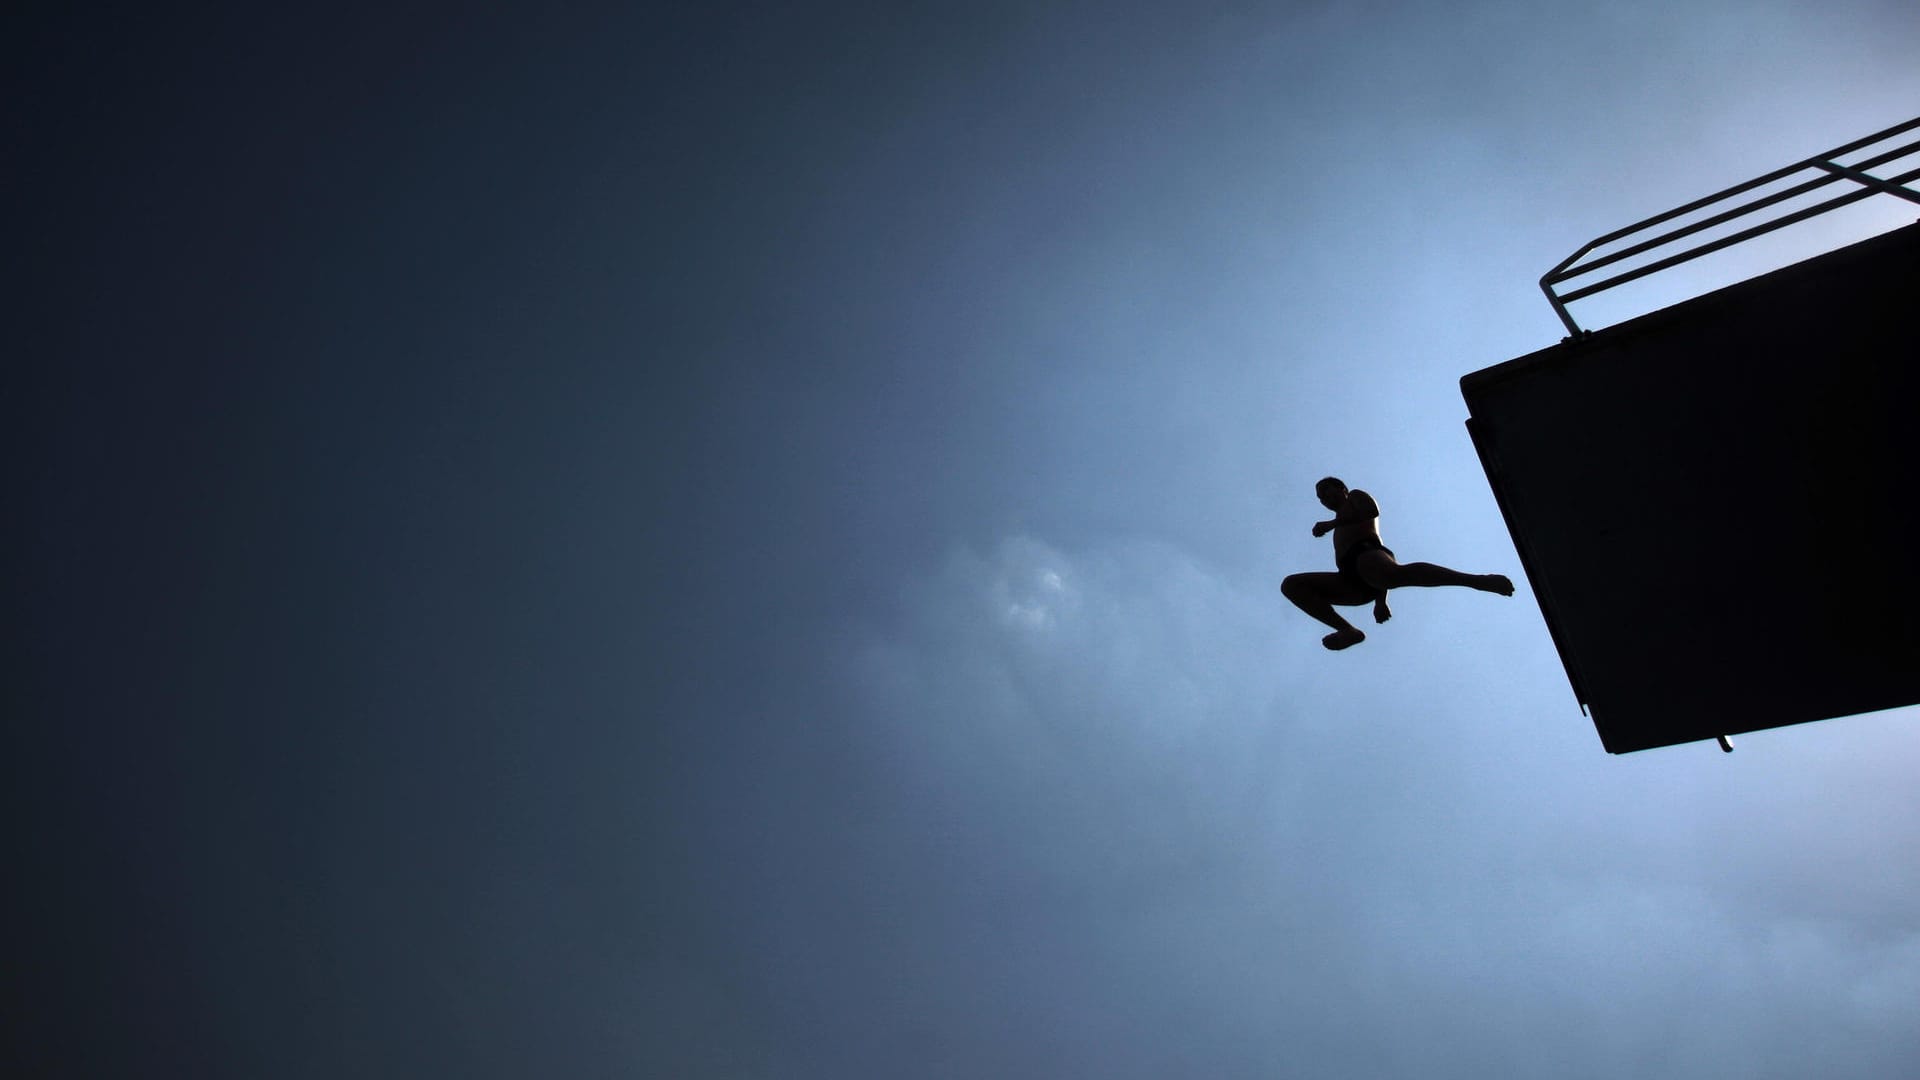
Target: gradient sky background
[[744, 542]]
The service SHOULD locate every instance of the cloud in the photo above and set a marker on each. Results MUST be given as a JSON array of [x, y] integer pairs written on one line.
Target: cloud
[[1090, 675], [1128, 793]]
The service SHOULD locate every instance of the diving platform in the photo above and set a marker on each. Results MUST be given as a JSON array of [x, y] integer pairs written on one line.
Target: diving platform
[[1715, 503]]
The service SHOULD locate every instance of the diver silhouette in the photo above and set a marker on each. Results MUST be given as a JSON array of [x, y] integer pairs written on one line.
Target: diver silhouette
[[1367, 568]]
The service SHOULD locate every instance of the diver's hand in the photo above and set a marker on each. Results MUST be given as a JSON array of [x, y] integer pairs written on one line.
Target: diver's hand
[[1381, 613], [1322, 528]]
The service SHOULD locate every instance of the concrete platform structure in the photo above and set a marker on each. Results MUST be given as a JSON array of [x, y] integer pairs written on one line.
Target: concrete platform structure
[[1717, 503]]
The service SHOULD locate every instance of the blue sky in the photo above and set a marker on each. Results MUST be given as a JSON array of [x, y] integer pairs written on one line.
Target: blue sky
[[746, 542]]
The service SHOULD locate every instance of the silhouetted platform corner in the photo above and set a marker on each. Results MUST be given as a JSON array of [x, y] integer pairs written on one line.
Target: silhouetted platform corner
[[1714, 502]]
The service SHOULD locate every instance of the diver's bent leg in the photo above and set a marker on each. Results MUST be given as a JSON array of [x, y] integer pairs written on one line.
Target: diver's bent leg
[[1305, 592], [1316, 594]]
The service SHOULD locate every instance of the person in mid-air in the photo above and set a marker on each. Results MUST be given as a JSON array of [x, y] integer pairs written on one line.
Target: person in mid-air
[[1367, 568]]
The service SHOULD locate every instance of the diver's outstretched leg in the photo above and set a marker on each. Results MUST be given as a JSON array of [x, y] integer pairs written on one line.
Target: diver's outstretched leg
[[1382, 572]]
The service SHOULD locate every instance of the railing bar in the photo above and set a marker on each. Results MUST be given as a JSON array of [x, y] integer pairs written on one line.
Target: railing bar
[[1696, 204], [1698, 226], [1869, 140], [1747, 234], [1894, 188], [1560, 274], [1708, 249], [1830, 169], [1877, 159], [1761, 181]]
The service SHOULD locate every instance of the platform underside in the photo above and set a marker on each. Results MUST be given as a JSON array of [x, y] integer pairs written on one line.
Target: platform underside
[[1715, 503]]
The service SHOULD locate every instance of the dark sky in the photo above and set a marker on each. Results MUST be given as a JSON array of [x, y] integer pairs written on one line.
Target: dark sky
[[741, 541]]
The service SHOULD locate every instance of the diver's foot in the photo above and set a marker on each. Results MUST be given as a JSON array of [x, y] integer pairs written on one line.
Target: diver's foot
[[1496, 583], [1343, 639]]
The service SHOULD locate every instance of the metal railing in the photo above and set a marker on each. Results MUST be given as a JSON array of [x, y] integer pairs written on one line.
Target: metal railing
[[1826, 170]]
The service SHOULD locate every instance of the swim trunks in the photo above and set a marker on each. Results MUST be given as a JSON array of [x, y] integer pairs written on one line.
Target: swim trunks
[[1348, 562]]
